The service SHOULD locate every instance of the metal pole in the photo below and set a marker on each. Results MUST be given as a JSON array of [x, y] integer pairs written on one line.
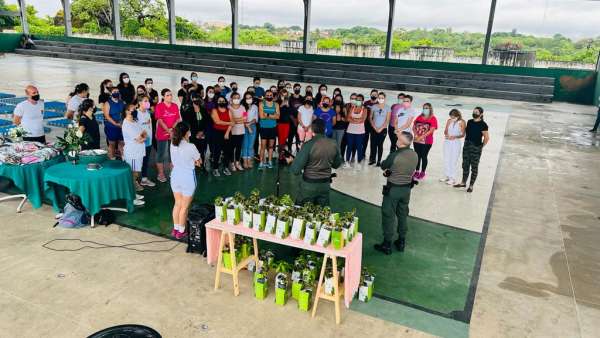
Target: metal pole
[[172, 26], [67, 17], [488, 34], [23, 12], [390, 30], [306, 38], [116, 19], [234, 24]]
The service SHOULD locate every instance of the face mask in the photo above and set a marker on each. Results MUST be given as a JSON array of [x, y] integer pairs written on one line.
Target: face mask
[[236, 101], [373, 98], [289, 89], [426, 111], [221, 84], [146, 105], [211, 95], [115, 95], [194, 78], [358, 103], [336, 94], [141, 93], [234, 89], [249, 101], [269, 99], [323, 92], [35, 97], [325, 105], [256, 85], [406, 105], [476, 115], [125, 80], [196, 102], [308, 91], [222, 104], [297, 91], [381, 101], [149, 86]]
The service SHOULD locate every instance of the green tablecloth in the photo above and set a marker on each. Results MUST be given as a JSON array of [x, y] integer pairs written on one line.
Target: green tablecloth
[[96, 188], [29, 178]]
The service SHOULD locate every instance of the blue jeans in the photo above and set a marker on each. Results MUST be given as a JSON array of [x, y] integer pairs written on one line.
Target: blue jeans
[[248, 143], [355, 144]]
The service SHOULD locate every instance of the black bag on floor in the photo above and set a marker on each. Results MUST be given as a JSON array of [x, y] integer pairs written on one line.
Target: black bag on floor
[[105, 217], [198, 216]]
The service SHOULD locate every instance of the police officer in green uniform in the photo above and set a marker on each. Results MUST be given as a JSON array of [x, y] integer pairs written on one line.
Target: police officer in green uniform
[[314, 161], [398, 167]]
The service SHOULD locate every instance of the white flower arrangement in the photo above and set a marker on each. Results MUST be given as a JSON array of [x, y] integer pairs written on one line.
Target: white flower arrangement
[[72, 140], [16, 133]]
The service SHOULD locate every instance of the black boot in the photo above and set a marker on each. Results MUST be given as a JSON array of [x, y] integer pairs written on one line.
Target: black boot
[[384, 247], [399, 243]]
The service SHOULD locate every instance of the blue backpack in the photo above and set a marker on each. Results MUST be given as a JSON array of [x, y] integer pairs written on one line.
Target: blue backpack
[[74, 214]]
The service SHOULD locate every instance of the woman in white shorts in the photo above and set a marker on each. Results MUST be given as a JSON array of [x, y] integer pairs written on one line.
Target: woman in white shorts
[[185, 157], [134, 136]]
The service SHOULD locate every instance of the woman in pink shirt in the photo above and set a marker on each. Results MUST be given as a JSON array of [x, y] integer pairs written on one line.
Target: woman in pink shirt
[[167, 115], [423, 129]]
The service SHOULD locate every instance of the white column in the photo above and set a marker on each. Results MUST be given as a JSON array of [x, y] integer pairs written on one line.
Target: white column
[[234, 23], [67, 17], [23, 12], [172, 26], [116, 19]]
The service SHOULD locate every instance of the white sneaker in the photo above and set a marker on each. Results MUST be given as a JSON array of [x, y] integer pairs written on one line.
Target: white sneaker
[[450, 182], [358, 166], [145, 181], [138, 203], [139, 197], [347, 165], [445, 179]]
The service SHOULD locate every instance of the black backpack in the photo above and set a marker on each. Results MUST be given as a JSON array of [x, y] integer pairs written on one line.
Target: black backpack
[[105, 217], [198, 216]]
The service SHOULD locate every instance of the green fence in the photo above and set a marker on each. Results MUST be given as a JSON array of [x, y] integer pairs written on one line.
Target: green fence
[[570, 85]]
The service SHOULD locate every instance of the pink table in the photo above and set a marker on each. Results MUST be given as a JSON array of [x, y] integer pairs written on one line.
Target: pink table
[[352, 252]]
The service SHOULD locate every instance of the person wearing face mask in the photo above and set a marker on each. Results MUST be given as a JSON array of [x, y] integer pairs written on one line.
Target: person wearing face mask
[[325, 113], [280, 85], [380, 119], [454, 132], [238, 115], [357, 114], [296, 100], [275, 91], [423, 128], [398, 167], [250, 132], [224, 90], [269, 113], [195, 116], [185, 158], [29, 114], [167, 115], [183, 91], [308, 91], [194, 79], [88, 125], [305, 119], [144, 118], [152, 93], [81, 92], [234, 89], [396, 107], [259, 91], [288, 87], [222, 124], [337, 92], [141, 91], [368, 128], [112, 123], [104, 92], [476, 137], [341, 123], [320, 94], [126, 88], [134, 136], [283, 126]]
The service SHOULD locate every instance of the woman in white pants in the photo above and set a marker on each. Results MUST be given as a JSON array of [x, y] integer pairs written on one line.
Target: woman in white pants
[[185, 158], [454, 133]]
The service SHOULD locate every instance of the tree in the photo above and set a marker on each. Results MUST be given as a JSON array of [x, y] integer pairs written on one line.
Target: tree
[[7, 21]]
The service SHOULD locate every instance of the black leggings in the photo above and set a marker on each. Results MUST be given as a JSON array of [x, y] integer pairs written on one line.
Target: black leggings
[[219, 144], [377, 145], [422, 151], [233, 150]]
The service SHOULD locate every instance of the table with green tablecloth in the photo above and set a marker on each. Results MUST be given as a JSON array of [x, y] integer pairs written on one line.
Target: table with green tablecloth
[[96, 188], [29, 178]]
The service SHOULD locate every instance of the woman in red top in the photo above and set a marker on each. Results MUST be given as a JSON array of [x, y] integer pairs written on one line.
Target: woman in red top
[[222, 130], [423, 129], [167, 115]]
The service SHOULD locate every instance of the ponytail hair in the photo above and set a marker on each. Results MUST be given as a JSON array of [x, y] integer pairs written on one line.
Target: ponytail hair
[[85, 106], [179, 132]]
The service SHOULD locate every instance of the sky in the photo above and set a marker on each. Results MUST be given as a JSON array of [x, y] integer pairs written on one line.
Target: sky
[[573, 18]]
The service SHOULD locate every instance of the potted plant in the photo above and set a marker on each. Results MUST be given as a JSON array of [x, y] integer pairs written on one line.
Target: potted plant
[[337, 237], [324, 234], [365, 290], [72, 141], [259, 217], [305, 297], [328, 285], [271, 222], [220, 209], [299, 266], [283, 224], [298, 222], [310, 234]]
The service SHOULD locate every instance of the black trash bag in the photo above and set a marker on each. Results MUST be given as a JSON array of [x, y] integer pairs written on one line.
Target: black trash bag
[[198, 216]]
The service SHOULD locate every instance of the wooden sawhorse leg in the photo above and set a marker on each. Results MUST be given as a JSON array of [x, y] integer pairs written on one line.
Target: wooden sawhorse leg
[[235, 266], [337, 293]]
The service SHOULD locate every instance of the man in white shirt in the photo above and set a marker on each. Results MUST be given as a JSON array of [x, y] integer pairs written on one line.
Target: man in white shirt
[[29, 114]]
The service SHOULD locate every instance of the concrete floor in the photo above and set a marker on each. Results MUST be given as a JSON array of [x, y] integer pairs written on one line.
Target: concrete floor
[[538, 276]]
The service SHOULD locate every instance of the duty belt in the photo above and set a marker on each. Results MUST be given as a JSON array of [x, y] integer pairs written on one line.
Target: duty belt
[[316, 180]]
